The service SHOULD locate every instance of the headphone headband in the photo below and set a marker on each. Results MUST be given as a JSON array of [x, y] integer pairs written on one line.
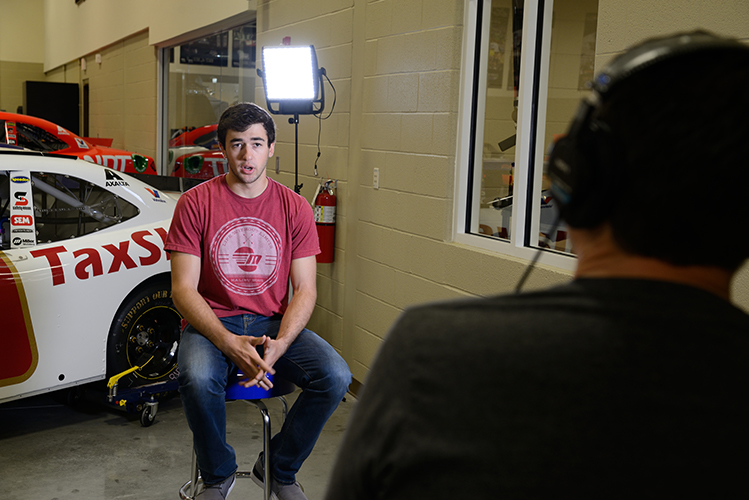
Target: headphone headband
[[585, 164]]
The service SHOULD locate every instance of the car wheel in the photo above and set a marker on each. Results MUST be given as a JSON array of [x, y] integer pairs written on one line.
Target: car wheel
[[147, 416], [145, 333]]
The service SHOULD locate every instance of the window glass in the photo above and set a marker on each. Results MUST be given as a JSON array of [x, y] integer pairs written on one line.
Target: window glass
[[31, 137], [495, 161], [205, 77], [562, 81], [67, 207], [571, 68]]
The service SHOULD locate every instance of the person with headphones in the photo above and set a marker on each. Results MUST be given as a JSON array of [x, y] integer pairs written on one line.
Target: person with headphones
[[628, 382]]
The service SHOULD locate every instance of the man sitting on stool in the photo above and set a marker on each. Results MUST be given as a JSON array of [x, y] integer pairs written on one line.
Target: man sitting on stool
[[236, 241]]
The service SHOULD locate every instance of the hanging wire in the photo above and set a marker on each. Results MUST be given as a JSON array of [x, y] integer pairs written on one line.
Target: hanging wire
[[320, 119]]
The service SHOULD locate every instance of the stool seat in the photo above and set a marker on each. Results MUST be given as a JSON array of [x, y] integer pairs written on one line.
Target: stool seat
[[253, 395], [234, 390]]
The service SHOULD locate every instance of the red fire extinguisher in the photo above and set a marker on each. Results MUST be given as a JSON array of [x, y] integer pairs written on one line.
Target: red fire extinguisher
[[325, 201]]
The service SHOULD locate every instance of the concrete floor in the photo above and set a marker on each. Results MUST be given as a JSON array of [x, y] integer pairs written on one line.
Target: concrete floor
[[51, 451]]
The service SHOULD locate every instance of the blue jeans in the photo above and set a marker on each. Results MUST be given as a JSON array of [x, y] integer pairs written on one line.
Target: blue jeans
[[310, 363]]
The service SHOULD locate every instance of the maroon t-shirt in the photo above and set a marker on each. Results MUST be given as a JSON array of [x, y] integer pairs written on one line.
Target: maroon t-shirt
[[246, 245]]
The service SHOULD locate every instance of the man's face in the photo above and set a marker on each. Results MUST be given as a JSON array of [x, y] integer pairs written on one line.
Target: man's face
[[248, 153]]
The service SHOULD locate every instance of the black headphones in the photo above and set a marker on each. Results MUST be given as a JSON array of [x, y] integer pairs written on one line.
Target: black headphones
[[584, 164]]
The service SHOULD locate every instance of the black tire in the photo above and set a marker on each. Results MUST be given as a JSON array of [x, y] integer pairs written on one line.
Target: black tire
[[145, 332], [147, 416]]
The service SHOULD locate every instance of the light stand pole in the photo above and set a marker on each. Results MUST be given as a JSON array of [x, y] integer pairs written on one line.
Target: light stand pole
[[297, 186]]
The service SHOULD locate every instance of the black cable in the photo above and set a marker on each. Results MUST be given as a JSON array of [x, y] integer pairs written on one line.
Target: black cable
[[320, 119], [537, 255]]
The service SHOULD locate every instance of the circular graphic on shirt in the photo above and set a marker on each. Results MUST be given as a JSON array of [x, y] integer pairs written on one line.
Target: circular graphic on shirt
[[245, 255]]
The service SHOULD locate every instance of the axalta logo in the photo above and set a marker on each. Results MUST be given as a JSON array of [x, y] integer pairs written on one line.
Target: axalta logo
[[90, 262], [113, 179], [19, 179]]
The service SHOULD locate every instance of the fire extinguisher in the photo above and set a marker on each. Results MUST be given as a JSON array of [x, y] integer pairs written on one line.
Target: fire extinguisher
[[325, 201]]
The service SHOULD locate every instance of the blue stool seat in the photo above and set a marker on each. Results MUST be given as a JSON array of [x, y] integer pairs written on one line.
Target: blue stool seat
[[253, 395], [236, 391]]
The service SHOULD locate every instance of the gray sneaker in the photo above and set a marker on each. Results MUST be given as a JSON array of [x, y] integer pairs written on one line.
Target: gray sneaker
[[219, 491], [278, 491]]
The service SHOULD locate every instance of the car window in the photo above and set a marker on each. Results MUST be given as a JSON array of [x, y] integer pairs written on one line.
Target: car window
[[32, 137], [68, 207], [208, 141]]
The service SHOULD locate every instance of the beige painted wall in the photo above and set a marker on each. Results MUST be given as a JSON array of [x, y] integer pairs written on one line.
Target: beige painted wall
[[21, 55], [72, 31]]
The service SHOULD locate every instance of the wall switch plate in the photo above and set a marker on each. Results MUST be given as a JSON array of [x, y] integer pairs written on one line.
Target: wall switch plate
[[376, 178]]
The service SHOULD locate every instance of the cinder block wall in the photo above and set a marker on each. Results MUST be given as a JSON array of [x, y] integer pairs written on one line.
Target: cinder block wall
[[122, 100], [395, 65], [396, 68], [21, 49]]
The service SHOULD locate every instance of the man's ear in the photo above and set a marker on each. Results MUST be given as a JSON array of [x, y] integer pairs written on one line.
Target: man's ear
[[271, 149]]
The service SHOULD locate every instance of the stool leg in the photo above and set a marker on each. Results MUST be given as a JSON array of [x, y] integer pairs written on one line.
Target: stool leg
[[266, 448], [285, 407], [189, 490]]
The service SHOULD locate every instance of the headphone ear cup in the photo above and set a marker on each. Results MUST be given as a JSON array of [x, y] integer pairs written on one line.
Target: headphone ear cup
[[581, 178]]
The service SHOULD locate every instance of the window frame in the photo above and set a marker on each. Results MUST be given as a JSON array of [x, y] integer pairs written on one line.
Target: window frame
[[532, 105], [162, 83]]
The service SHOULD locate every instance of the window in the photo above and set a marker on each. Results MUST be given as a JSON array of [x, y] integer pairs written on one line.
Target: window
[[67, 207], [31, 137], [526, 65], [204, 76]]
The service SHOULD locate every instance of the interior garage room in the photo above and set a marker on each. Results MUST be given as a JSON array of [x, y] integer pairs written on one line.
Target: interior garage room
[[421, 152]]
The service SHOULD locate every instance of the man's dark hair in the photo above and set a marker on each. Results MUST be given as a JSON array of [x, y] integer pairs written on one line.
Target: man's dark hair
[[242, 116], [680, 131]]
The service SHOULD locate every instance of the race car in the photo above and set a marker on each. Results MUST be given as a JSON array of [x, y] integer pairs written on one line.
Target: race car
[[41, 135], [189, 141], [84, 278], [200, 165]]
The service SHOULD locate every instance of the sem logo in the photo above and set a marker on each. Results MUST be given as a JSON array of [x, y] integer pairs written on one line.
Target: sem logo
[[21, 220]]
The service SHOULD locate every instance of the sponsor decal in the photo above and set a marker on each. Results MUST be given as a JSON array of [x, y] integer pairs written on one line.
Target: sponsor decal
[[21, 216], [113, 180], [156, 195], [21, 220], [110, 258], [62, 131], [21, 202], [117, 162], [18, 242], [81, 143], [10, 133]]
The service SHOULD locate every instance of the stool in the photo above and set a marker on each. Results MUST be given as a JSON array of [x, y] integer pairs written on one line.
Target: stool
[[253, 395]]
